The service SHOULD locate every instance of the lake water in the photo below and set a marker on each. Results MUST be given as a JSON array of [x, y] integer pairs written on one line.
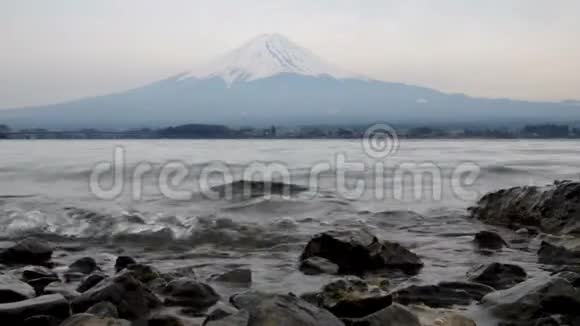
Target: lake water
[[46, 189]]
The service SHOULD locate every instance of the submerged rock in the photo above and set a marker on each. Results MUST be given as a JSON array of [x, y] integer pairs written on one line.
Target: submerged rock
[[269, 309], [535, 299], [553, 208], [131, 298], [48, 305], [28, 251], [13, 290], [498, 276], [245, 189], [489, 240], [443, 295], [361, 252], [318, 265], [237, 276]]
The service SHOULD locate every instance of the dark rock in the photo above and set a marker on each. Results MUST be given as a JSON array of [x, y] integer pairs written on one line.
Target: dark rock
[[131, 298], [318, 265], [13, 290], [122, 262], [489, 240], [361, 252], [190, 293], [394, 315], [104, 309], [498, 276], [85, 265], [41, 321], [220, 313], [49, 305], [552, 209], [40, 284], [556, 255], [238, 276], [268, 309], [28, 251], [91, 320], [91, 281], [164, 320], [535, 299], [443, 295]]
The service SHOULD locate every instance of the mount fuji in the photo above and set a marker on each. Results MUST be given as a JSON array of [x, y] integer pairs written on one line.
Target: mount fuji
[[271, 80]]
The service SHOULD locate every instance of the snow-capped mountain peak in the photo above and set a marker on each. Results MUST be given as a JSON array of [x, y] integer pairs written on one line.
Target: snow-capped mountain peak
[[265, 56]]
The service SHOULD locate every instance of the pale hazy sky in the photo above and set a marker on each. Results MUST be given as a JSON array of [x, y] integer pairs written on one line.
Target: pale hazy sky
[[55, 50]]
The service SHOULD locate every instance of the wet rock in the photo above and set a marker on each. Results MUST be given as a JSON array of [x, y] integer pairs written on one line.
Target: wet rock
[[131, 298], [91, 320], [49, 305], [361, 252], [238, 276], [13, 290], [489, 240], [220, 313], [556, 255], [440, 317], [498, 276], [268, 309], [60, 288], [122, 262], [41, 321], [39, 284], [104, 309], [241, 318], [91, 281], [553, 208], [143, 273], [351, 297], [85, 265], [535, 299], [28, 251], [35, 272], [318, 265], [394, 315], [190, 293], [443, 295]]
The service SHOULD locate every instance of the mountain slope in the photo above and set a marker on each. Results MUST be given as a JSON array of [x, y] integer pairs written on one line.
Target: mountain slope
[[270, 80]]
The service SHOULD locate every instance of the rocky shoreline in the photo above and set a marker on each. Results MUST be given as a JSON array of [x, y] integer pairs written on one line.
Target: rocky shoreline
[[33, 291]]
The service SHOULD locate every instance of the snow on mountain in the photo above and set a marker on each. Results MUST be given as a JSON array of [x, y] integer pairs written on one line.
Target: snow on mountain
[[265, 56]]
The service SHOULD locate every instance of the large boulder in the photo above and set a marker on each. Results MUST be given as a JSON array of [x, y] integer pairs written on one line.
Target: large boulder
[[131, 298], [535, 299], [13, 290], [85, 265], [498, 276], [28, 251], [361, 252], [48, 305], [268, 309], [554, 208], [442, 295]]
